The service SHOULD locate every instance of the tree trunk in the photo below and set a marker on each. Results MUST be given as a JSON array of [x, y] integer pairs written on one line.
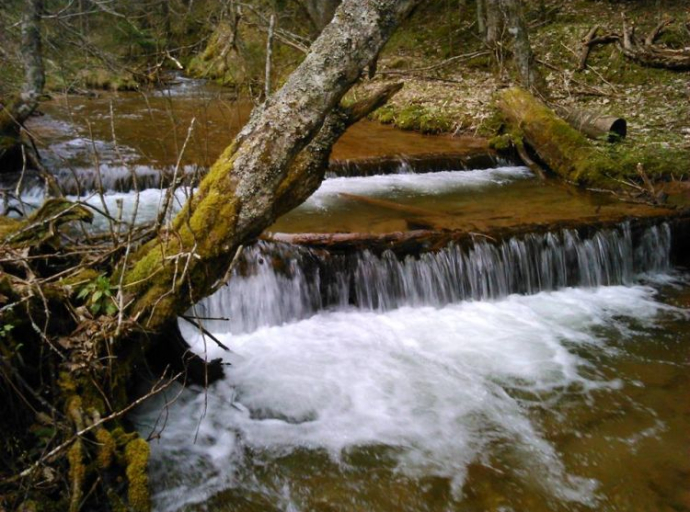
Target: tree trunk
[[494, 25], [273, 165], [653, 56], [18, 109], [594, 125], [522, 51], [481, 21], [563, 149]]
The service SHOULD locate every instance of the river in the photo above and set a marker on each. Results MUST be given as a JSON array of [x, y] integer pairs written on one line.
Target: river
[[545, 370]]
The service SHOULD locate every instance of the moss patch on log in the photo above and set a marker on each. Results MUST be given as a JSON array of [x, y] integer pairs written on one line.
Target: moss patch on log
[[571, 155], [137, 454]]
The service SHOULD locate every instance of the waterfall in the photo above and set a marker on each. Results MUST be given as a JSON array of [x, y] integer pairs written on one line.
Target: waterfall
[[277, 283]]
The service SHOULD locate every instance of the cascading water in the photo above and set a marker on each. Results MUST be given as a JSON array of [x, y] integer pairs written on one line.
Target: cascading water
[[539, 373], [281, 283], [360, 380]]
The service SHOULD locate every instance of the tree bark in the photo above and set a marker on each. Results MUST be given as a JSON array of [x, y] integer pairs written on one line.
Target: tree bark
[[646, 53], [32, 56], [493, 23], [594, 125], [481, 20], [273, 165], [650, 55], [18, 109], [522, 51]]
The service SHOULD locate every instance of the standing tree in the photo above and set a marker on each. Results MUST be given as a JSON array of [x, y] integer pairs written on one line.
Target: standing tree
[[523, 57], [18, 109], [505, 19]]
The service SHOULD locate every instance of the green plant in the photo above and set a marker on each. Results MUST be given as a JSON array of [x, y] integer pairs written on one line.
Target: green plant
[[5, 330], [99, 295]]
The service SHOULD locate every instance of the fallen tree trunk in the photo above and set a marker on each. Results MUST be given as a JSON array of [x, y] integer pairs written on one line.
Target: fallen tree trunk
[[652, 56], [564, 150], [677, 60], [274, 164], [587, 47], [594, 125]]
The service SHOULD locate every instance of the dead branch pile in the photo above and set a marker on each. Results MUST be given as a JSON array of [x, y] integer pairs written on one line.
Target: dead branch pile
[[642, 51]]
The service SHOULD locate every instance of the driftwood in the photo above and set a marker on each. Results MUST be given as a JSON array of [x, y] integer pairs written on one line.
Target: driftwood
[[656, 31], [651, 55], [646, 53], [594, 125], [587, 47]]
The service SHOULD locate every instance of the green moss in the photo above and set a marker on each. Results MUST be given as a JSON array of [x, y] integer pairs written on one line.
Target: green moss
[[106, 450], [137, 454], [74, 410], [385, 114], [122, 439], [481, 62], [100, 78], [72, 283], [7, 225], [501, 142], [415, 117], [77, 474], [67, 383]]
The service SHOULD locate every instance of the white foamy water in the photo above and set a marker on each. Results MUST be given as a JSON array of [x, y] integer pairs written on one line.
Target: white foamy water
[[406, 183], [442, 387], [116, 177]]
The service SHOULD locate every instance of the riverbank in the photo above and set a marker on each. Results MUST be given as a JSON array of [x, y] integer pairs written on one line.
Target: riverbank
[[445, 92], [451, 79]]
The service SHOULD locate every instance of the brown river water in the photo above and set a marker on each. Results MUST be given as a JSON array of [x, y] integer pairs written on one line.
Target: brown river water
[[540, 373]]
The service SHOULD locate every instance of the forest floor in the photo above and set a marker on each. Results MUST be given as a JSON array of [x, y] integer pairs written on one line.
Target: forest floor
[[450, 79]]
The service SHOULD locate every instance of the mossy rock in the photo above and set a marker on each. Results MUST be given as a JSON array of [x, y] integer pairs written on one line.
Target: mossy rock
[[106, 80], [415, 117]]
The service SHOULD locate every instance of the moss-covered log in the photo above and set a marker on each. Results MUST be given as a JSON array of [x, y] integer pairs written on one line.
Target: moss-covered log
[[274, 164], [563, 149]]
